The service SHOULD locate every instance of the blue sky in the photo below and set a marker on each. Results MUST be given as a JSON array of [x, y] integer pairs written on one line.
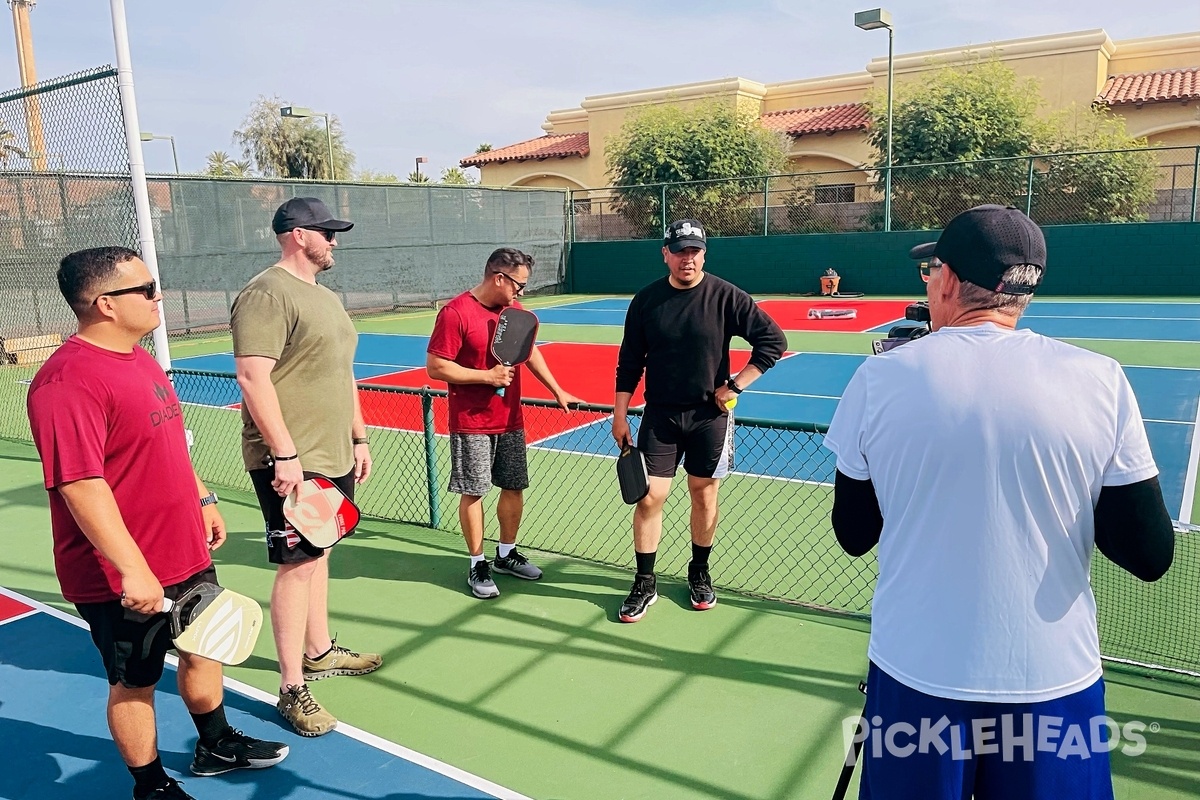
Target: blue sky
[[436, 78]]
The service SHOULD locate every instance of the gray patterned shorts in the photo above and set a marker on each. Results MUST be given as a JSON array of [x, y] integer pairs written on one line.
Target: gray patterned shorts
[[479, 461]]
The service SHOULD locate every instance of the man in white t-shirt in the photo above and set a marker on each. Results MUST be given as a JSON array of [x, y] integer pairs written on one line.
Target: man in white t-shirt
[[985, 461]]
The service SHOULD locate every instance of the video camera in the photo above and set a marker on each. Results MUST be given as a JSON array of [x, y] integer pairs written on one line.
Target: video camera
[[917, 313]]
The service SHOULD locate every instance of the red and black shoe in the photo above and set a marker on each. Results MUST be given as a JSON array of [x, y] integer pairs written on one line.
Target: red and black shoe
[[643, 595], [703, 596]]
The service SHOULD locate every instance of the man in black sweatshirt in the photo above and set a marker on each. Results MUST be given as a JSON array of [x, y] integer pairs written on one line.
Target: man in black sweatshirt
[[677, 331]]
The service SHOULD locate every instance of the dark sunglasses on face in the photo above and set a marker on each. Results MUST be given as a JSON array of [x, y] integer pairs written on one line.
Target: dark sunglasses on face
[[520, 286], [147, 290], [329, 235]]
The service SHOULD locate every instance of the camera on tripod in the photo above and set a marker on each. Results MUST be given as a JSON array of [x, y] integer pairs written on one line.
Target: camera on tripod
[[917, 325]]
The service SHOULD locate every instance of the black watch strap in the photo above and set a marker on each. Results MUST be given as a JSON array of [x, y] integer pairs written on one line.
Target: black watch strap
[[733, 387]]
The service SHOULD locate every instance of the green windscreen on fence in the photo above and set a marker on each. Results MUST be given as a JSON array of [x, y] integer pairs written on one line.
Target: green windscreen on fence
[[775, 537], [410, 245]]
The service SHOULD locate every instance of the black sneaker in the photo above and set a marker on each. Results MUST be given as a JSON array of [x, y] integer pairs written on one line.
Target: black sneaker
[[171, 790], [516, 564], [643, 595], [236, 750], [703, 597]]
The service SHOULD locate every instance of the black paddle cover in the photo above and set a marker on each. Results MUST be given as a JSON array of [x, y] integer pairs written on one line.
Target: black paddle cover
[[516, 333], [632, 475]]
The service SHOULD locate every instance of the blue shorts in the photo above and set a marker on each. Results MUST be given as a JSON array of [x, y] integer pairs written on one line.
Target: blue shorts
[[920, 747]]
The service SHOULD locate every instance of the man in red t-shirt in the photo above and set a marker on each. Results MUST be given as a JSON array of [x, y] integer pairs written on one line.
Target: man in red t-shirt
[[487, 432], [132, 522]]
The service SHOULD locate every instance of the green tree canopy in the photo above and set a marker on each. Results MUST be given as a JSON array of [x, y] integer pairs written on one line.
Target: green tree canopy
[[219, 164], [294, 147], [711, 141], [371, 176], [947, 126]]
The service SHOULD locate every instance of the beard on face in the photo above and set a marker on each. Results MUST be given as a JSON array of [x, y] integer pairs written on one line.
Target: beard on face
[[319, 254]]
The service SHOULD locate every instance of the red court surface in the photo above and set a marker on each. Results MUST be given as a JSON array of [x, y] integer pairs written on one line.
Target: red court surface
[[10, 608], [792, 315], [587, 371]]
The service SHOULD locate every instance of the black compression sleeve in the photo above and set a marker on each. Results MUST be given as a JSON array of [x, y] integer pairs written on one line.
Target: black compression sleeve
[[1133, 528], [857, 521]]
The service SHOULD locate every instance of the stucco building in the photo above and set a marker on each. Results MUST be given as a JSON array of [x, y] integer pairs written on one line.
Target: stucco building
[[1154, 83]]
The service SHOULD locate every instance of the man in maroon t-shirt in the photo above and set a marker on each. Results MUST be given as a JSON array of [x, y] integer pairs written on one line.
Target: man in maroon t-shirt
[[131, 520], [487, 432]]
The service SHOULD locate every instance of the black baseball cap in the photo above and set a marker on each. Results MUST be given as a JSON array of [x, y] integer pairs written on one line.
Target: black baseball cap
[[982, 242], [684, 233], [307, 212]]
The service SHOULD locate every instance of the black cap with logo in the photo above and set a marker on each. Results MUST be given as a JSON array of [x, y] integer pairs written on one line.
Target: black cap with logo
[[684, 233], [307, 212], [981, 243]]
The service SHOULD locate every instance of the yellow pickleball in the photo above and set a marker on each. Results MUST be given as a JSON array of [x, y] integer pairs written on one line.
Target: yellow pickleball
[[730, 403]]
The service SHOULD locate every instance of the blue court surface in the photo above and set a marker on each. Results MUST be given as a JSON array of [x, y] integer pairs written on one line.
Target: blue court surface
[[57, 745], [377, 354], [806, 387]]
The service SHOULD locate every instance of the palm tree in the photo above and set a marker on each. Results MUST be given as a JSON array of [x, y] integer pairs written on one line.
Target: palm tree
[[219, 164]]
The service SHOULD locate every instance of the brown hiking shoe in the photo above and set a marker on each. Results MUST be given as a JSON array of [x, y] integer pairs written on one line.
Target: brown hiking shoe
[[340, 661], [306, 715]]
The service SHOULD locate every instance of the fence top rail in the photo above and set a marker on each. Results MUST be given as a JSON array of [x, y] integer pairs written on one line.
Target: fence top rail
[[429, 391], [74, 79], [271, 179], [866, 168]]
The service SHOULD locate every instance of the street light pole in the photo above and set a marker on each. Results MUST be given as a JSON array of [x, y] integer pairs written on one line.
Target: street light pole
[[300, 112], [149, 137], [869, 21], [420, 160]]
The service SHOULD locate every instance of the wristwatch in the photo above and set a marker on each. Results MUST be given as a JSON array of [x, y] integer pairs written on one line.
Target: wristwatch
[[209, 499], [733, 387]]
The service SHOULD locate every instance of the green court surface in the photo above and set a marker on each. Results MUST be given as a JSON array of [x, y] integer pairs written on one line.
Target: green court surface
[[544, 692]]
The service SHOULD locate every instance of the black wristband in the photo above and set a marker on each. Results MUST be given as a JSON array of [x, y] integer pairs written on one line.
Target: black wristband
[[731, 384], [360, 440], [285, 458]]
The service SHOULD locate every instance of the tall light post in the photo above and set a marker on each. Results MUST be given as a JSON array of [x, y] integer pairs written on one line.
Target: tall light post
[[300, 112], [420, 160], [869, 21], [149, 137]]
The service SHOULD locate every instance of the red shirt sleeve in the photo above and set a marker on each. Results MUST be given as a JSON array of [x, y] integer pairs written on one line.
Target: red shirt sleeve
[[447, 338], [70, 428]]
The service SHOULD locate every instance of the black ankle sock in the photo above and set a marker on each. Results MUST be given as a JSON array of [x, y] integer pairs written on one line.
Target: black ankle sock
[[645, 562], [148, 778], [318, 658], [700, 555], [211, 726]]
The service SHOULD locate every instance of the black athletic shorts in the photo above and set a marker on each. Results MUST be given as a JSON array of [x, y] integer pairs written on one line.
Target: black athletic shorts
[[134, 646], [700, 436], [284, 545]]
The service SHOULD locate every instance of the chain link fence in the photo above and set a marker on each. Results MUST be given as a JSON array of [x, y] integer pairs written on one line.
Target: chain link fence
[[64, 185], [411, 245], [1151, 184], [774, 538]]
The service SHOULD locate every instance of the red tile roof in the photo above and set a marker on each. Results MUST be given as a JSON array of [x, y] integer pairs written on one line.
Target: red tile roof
[[554, 145], [817, 119], [1178, 85]]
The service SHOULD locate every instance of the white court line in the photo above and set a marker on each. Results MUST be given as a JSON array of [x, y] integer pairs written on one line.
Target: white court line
[[370, 739], [1189, 480]]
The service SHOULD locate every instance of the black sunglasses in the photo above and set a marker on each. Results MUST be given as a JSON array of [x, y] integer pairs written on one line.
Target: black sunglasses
[[329, 235], [147, 290], [520, 286]]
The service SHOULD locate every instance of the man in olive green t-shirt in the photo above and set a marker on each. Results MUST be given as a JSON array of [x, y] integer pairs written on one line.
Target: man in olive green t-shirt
[[293, 344]]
